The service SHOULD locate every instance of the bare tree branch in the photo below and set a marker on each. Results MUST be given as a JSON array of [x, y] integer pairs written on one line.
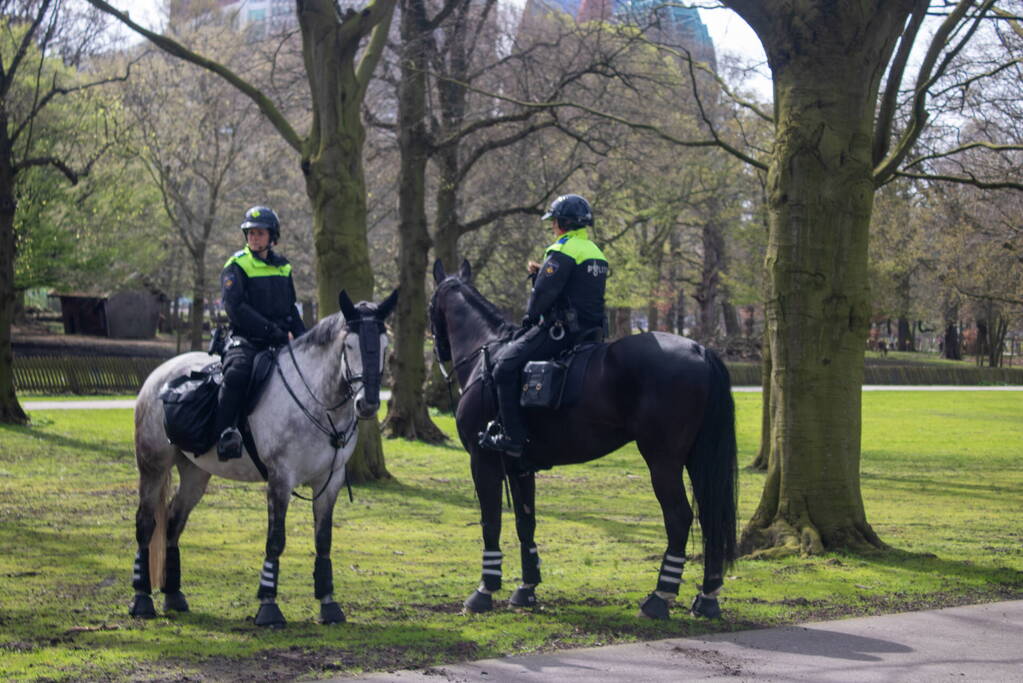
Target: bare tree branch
[[175, 48]]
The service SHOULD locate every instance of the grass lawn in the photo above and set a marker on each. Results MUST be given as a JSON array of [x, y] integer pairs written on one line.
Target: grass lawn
[[942, 482]]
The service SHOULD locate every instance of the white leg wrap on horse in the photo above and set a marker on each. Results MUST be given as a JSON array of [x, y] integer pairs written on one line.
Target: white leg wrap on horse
[[668, 597], [483, 589]]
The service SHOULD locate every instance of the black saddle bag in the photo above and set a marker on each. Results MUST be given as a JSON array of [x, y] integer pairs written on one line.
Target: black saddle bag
[[542, 384], [190, 408]]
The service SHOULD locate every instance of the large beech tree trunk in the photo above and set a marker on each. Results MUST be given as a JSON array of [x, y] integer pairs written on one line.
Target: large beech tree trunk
[[827, 59], [10, 409], [406, 412]]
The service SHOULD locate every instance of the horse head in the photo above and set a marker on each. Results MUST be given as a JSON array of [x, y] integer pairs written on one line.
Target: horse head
[[438, 326], [364, 345]]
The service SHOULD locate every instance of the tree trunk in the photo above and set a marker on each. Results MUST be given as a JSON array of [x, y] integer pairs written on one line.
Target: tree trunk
[[906, 342], [198, 303], [407, 415], [763, 459], [707, 293], [620, 322], [827, 63], [10, 409], [336, 184]]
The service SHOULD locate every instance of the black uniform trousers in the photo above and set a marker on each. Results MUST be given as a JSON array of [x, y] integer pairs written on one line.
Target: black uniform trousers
[[237, 371], [535, 344]]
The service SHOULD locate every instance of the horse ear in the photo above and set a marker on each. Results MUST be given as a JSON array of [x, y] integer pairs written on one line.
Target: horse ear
[[465, 272], [438, 271], [387, 305], [347, 307]]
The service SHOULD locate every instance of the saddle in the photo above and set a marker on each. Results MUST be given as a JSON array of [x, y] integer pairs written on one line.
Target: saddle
[[558, 383], [190, 402]]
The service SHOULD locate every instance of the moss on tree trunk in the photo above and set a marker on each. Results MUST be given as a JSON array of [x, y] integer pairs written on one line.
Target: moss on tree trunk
[[827, 60]]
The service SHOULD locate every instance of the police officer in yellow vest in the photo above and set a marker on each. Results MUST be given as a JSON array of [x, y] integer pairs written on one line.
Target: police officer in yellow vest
[[259, 297], [567, 302]]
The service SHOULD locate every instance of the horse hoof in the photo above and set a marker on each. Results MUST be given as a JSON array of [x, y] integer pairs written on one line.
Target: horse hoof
[[654, 607], [523, 598], [142, 607], [477, 603], [269, 616], [705, 607], [331, 613], [175, 602]]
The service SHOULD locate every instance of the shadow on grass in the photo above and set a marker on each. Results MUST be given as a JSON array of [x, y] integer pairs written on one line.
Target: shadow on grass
[[34, 432]]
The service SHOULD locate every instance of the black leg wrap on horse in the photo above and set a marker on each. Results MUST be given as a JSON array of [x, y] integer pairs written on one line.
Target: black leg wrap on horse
[[270, 616], [530, 565], [140, 573], [172, 572], [268, 580], [654, 607], [479, 602], [492, 569], [711, 584], [707, 607], [670, 577], [323, 577]]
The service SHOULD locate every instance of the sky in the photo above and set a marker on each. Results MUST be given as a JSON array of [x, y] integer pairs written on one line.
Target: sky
[[728, 31]]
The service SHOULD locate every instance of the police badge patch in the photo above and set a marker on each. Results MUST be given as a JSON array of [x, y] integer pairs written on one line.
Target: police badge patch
[[550, 267], [228, 281]]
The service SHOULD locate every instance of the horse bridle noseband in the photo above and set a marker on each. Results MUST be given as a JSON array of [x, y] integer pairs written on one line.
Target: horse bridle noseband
[[338, 438]]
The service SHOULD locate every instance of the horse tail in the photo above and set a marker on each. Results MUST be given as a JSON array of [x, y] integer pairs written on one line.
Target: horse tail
[[713, 468], [158, 543]]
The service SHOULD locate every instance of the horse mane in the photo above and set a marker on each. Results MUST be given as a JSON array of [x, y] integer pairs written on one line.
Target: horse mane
[[488, 311], [322, 333]]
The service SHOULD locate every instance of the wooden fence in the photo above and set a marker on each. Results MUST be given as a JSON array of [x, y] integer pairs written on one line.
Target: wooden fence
[[120, 375], [82, 374]]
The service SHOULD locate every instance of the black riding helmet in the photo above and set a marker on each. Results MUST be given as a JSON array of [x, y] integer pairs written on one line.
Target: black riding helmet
[[571, 210], [262, 217]]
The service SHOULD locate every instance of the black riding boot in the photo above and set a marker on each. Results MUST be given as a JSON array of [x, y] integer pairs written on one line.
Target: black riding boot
[[512, 441], [229, 439]]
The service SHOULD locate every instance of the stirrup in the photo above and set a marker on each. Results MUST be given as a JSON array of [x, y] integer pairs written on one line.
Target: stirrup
[[494, 438], [229, 445]]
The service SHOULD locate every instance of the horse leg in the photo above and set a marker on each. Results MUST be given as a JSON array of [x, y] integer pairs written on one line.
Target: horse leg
[[278, 496], [666, 477], [323, 572], [154, 483], [487, 474], [523, 491], [191, 487]]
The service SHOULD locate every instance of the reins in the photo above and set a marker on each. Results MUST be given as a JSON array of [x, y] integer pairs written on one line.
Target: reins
[[338, 438]]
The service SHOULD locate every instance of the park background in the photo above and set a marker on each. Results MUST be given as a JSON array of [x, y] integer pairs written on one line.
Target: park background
[[126, 170]]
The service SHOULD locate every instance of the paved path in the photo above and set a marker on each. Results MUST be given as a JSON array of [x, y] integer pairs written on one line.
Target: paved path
[[979, 643], [96, 404]]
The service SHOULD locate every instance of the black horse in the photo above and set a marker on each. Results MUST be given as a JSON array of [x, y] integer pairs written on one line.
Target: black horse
[[668, 393]]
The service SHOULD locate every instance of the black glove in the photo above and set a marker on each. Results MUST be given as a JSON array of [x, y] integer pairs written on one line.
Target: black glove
[[528, 322], [277, 336]]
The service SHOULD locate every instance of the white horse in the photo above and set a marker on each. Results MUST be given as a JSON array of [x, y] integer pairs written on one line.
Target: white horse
[[304, 428]]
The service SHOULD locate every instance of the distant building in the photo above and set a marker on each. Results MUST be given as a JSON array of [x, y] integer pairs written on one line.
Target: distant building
[[126, 314], [664, 22], [263, 18]]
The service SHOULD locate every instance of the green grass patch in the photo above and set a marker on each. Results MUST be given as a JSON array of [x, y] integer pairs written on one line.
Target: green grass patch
[[942, 483]]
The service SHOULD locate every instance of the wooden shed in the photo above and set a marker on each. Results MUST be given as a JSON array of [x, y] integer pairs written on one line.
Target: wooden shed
[[126, 314]]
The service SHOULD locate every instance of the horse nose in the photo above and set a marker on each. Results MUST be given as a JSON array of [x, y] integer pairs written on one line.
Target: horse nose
[[366, 408]]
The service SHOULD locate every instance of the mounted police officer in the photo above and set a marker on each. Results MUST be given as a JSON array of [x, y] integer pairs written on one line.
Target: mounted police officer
[[259, 297], [566, 304]]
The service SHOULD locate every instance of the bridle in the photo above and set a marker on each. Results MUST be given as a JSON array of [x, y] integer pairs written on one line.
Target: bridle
[[339, 438], [439, 353]]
